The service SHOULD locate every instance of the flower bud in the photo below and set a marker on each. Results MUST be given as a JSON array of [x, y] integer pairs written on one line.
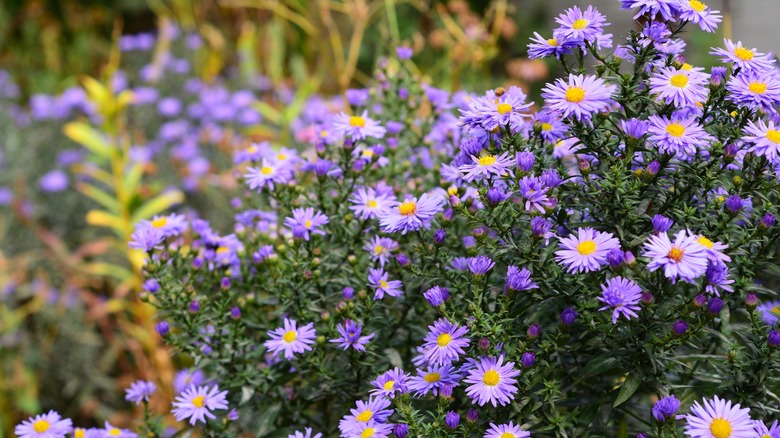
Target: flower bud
[[452, 419], [472, 415], [495, 196], [734, 204], [525, 161], [401, 430], [402, 260], [751, 301], [235, 312], [439, 236], [194, 306], [197, 262], [325, 316], [162, 328], [768, 220], [629, 259], [584, 166], [715, 306], [717, 76], [232, 415], [568, 316], [533, 331], [528, 360], [445, 392], [653, 168], [699, 300], [352, 260], [680, 327], [647, 297], [483, 343], [348, 293], [615, 257], [661, 224], [774, 338]]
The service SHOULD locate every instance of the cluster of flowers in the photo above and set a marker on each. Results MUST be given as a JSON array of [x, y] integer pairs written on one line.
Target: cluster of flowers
[[530, 266]]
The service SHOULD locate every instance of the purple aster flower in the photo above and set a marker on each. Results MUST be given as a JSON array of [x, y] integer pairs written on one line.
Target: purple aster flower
[[568, 316], [401, 430], [686, 258], [411, 214], [714, 306], [696, 11], [714, 249], [380, 249], [768, 220], [451, 419], [718, 75], [54, 181], [678, 136], [534, 193], [371, 429], [519, 279], [581, 25], [667, 8], [291, 339], [615, 257], [743, 58], [540, 227], [378, 279], [170, 225], [162, 328], [622, 296], [305, 220], [770, 312], [758, 90], [367, 203], [50, 425], [357, 96], [307, 433], [444, 342], [551, 128], [679, 87], [436, 296], [764, 137], [718, 418], [390, 383], [580, 97], [525, 161], [761, 430], [634, 128], [480, 265], [196, 403], [528, 360], [587, 251], [113, 431], [186, 378], [661, 224], [375, 409], [350, 332], [268, 174], [492, 381], [666, 408], [357, 127], [773, 340], [551, 178], [557, 46], [433, 379], [140, 391], [509, 430], [146, 238], [495, 195], [485, 165]]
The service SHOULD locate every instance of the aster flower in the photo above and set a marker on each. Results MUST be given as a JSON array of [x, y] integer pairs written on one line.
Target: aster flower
[[556, 46], [510, 430], [743, 58], [587, 251], [140, 391], [371, 429], [761, 430], [378, 279], [411, 214], [634, 128], [667, 8], [492, 381], [268, 174], [170, 225], [113, 431], [436, 295], [758, 90], [679, 87], [380, 249], [50, 425], [666, 408], [350, 332], [376, 409], [696, 11], [187, 377], [358, 127], [770, 312], [550, 126], [534, 193], [486, 165], [492, 111], [681, 137], [581, 25], [196, 403], [622, 296], [718, 418], [444, 342], [146, 238], [367, 203], [433, 379], [390, 383], [765, 139], [580, 97], [480, 265], [291, 339], [714, 249], [519, 279], [685, 258], [307, 433], [305, 220], [717, 277]]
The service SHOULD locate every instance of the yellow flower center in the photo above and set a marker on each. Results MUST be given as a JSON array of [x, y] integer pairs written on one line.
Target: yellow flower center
[[587, 247], [553, 42], [41, 426], [368, 153], [290, 336], [252, 149], [491, 378], [160, 222], [507, 435], [686, 67], [117, 432], [743, 53], [267, 170], [547, 127], [707, 243], [367, 432], [675, 129], [676, 254], [372, 203], [773, 136], [776, 309], [487, 160], [383, 284], [281, 157], [323, 133], [407, 208], [504, 108], [307, 224], [757, 87], [452, 190], [79, 433], [222, 249], [443, 340], [697, 5], [390, 384], [720, 428], [200, 400], [379, 249], [357, 122], [679, 80], [575, 94], [432, 377], [365, 416], [579, 24]]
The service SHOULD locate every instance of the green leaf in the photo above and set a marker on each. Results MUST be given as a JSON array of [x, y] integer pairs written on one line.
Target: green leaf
[[100, 196], [157, 205], [133, 178], [598, 365], [88, 137], [629, 387], [266, 420]]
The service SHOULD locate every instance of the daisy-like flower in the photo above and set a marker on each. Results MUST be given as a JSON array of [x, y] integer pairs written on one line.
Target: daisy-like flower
[[714, 249], [519, 279], [196, 403], [140, 391], [444, 342], [291, 339], [485, 165], [304, 221], [581, 25], [492, 381], [510, 430], [113, 431], [765, 139], [743, 58], [50, 425], [389, 383], [622, 296], [146, 238], [667, 8], [755, 90], [380, 249], [685, 258], [770, 312], [551, 129], [696, 11], [717, 277], [307, 433], [587, 251], [677, 136], [718, 418], [268, 174], [350, 332], [378, 279], [358, 127], [372, 429], [534, 193], [480, 265], [376, 409], [187, 377], [556, 46], [411, 214], [170, 225], [433, 379], [762, 431], [580, 97], [679, 87], [367, 203]]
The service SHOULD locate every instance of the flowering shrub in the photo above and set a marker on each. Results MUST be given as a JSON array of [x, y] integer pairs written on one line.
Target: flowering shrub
[[429, 264]]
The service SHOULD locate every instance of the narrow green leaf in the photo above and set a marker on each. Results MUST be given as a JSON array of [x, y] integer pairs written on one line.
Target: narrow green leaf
[[629, 387], [157, 205], [100, 196], [88, 137]]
